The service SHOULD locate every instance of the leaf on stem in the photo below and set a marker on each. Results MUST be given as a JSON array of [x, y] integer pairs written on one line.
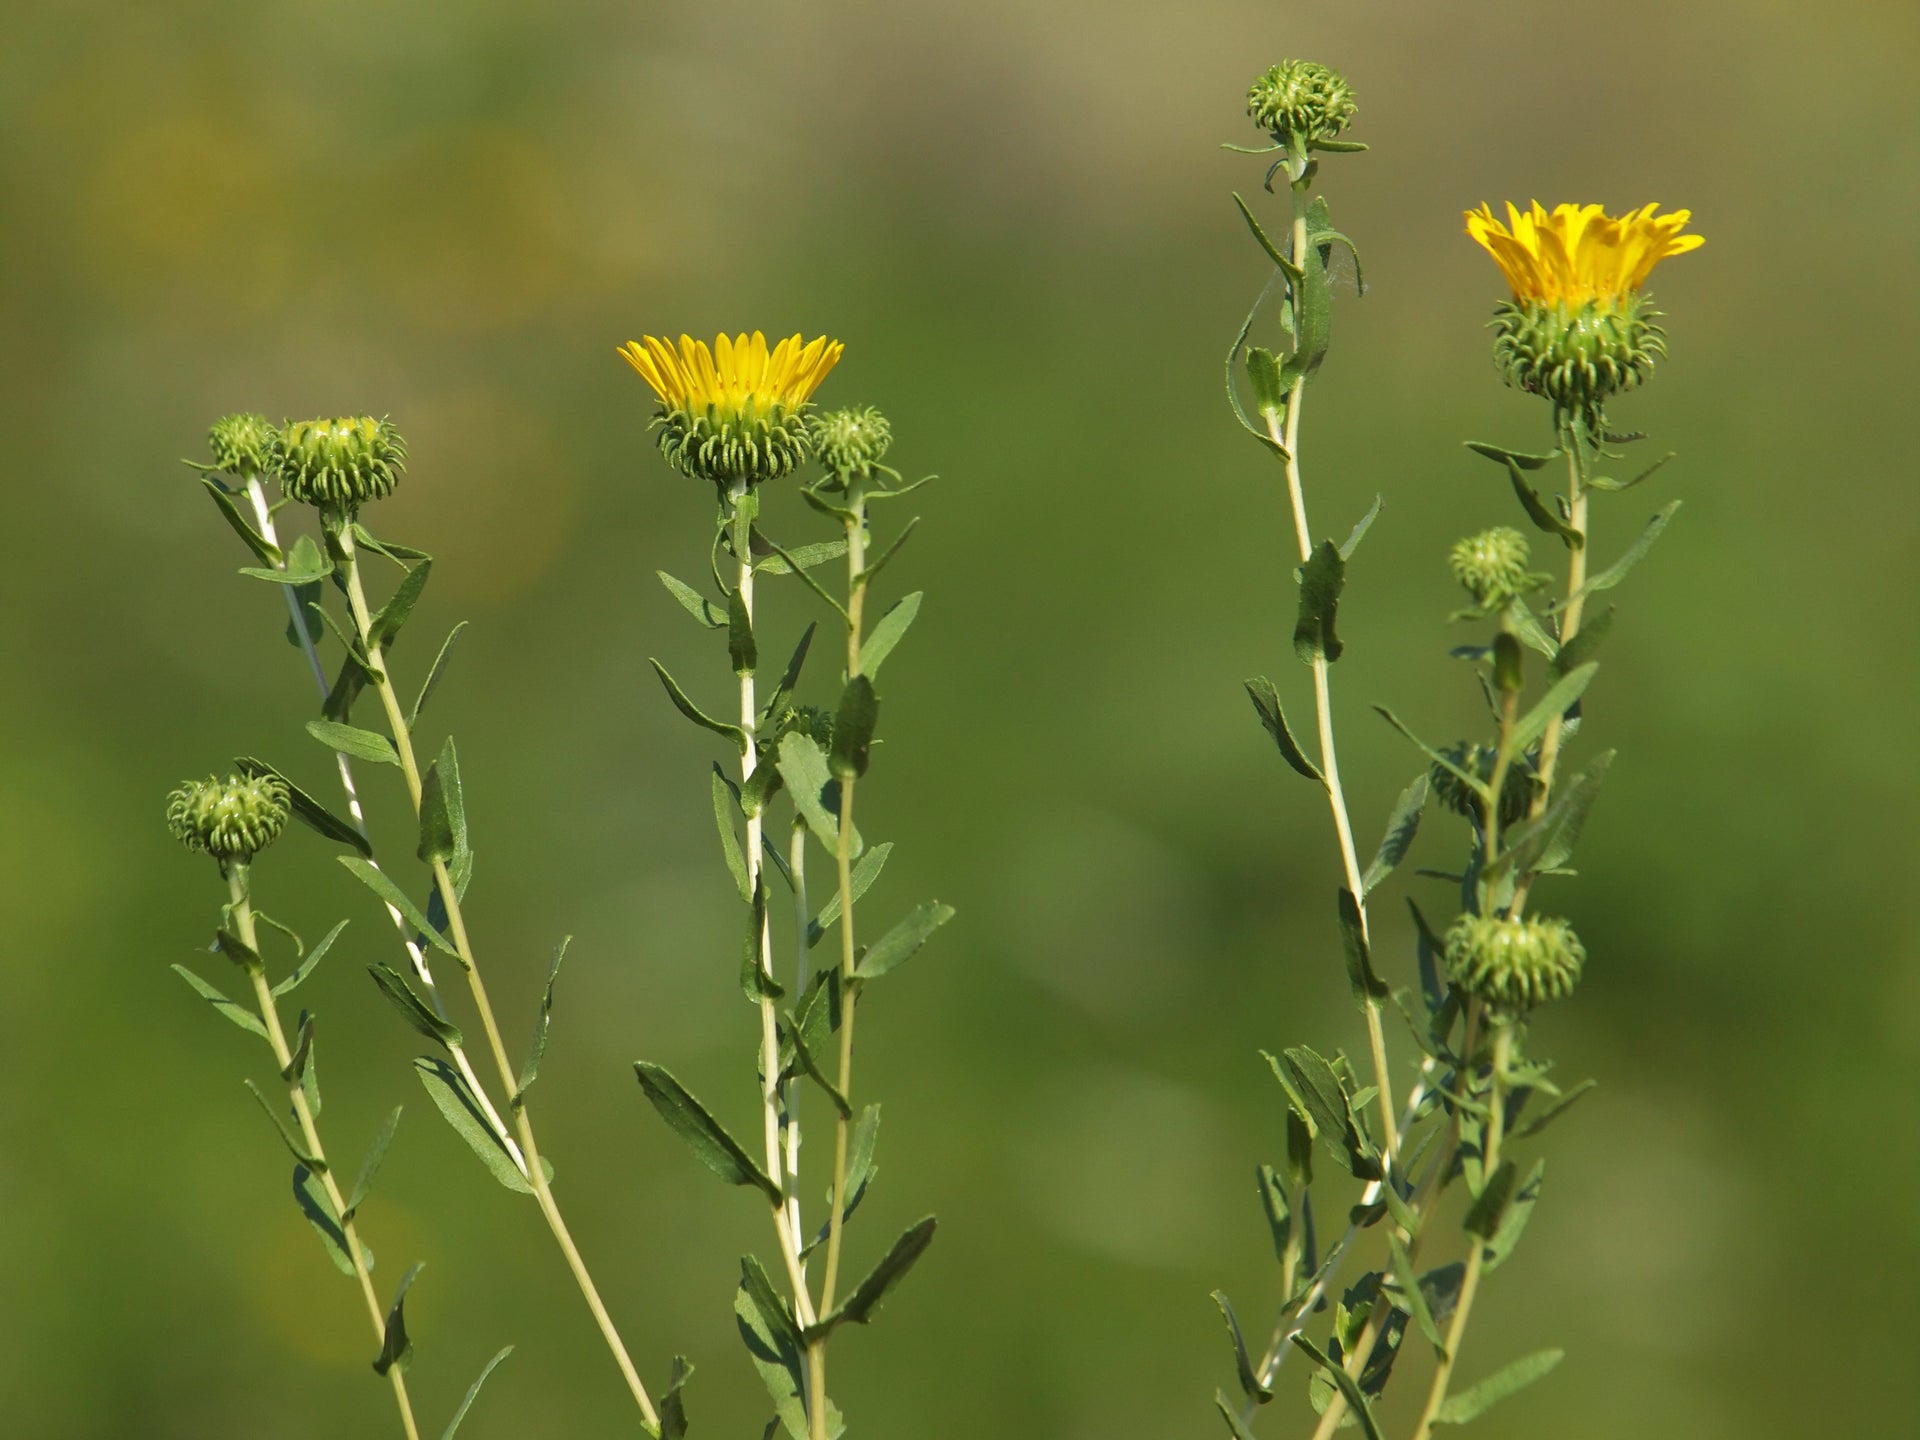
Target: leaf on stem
[[237, 1013], [1554, 1111], [1585, 642], [705, 1136], [673, 1403], [456, 1102], [1242, 1362], [370, 1167], [1266, 703], [865, 871], [1361, 976], [415, 1011], [1558, 700], [386, 625], [1540, 513], [1402, 825], [1349, 1389], [1273, 1203], [741, 649], [880, 1281], [305, 565], [816, 794], [903, 940], [311, 1196], [874, 567], [853, 725], [791, 676], [375, 879], [531, 1070], [267, 552], [473, 1392], [1616, 572], [351, 740], [774, 1345], [395, 1347], [306, 966], [1359, 531], [887, 631], [295, 1145], [431, 684], [1602, 482], [1322, 578], [694, 713], [693, 602], [1510, 1380], [1500, 455]]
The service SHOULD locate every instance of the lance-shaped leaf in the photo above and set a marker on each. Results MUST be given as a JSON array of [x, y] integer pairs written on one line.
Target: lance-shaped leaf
[[443, 809], [1402, 825], [455, 1101], [1585, 643], [1519, 1210], [237, 1013], [375, 879], [386, 625], [673, 1400], [1361, 526], [415, 1011], [305, 566], [1367, 984], [427, 687], [1273, 1204], [853, 724], [1242, 1362], [865, 871], [1322, 578], [1268, 382], [473, 1393], [887, 631], [816, 794], [1349, 1389], [1312, 311], [311, 1196], [1230, 1413], [789, 677], [1602, 482], [782, 562], [264, 549], [1548, 843], [1616, 572], [307, 810], [295, 1144], [1558, 700], [705, 1136], [1409, 1294], [1266, 702], [903, 940], [1554, 1111], [1540, 513], [531, 1070], [1489, 1207], [774, 1345], [370, 1167], [694, 603], [874, 567], [726, 801], [395, 1347], [313, 958], [1510, 1380], [741, 647], [694, 713], [351, 740], [1500, 455], [892, 1269]]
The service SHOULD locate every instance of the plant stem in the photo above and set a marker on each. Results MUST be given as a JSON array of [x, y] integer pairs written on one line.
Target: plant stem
[[849, 986], [242, 915], [416, 956], [1476, 1261], [528, 1151], [1289, 442], [803, 963]]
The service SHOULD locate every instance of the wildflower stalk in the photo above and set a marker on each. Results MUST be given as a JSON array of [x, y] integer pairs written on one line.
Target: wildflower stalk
[[416, 957], [241, 913], [339, 528]]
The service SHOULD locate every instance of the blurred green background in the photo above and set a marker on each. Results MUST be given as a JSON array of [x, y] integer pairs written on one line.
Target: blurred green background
[[1017, 218]]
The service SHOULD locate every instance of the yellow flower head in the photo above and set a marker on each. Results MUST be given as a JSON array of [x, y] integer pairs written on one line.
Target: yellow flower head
[[732, 413], [1579, 253]]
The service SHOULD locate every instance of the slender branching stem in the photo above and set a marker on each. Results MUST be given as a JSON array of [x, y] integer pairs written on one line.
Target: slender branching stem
[[528, 1154], [803, 963], [241, 912], [856, 527], [416, 955]]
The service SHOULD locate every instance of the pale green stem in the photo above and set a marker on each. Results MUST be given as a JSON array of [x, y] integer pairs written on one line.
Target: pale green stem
[[242, 916], [416, 956], [401, 734], [803, 964], [1476, 1261]]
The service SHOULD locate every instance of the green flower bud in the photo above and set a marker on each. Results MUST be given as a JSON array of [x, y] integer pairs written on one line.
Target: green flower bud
[[344, 462], [1514, 965], [1517, 792], [1298, 97], [230, 819], [1578, 354], [809, 720], [849, 443], [728, 445], [1492, 566], [245, 446]]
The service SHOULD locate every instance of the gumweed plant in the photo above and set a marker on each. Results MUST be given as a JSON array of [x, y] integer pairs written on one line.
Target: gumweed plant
[[1577, 332], [1418, 1147]]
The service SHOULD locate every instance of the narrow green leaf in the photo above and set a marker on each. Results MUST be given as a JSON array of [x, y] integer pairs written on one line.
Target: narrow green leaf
[[415, 1011], [693, 602], [874, 567], [1472, 782], [1490, 1205], [801, 570], [903, 940], [791, 676], [1361, 976], [1601, 482], [1321, 580], [1540, 513], [1548, 843], [312, 959], [1510, 1380], [386, 625], [401, 555], [443, 809], [294, 1143], [236, 949], [694, 713], [473, 1392], [237, 1013], [706, 1136], [305, 565], [370, 1167], [1558, 700], [456, 1102], [311, 1196], [306, 809], [853, 724], [860, 1165], [432, 683], [1411, 1296], [814, 1071], [1356, 1402], [395, 1347], [1312, 311], [350, 740], [1519, 1210], [1287, 267], [1359, 531], [1585, 642], [1500, 455], [1242, 1362], [1273, 1203], [865, 871], [805, 556], [673, 1404], [741, 649], [1554, 1111], [881, 1280], [265, 550], [1266, 703], [774, 1345], [1402, 825], [1231, 1414], [375, 879], [531, 1070], [816, 794], [1616, 572], [725, 805], [887, 631]]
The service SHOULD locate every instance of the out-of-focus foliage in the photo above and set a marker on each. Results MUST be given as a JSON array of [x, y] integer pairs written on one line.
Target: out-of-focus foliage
[[1015, 217]]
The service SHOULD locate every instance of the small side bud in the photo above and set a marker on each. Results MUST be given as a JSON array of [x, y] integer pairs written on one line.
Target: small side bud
[[230, 819], [1298, 97], [1492, 566], [342, 462], [849, 443], [809, 720], [245, 446], [1514, 965]]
